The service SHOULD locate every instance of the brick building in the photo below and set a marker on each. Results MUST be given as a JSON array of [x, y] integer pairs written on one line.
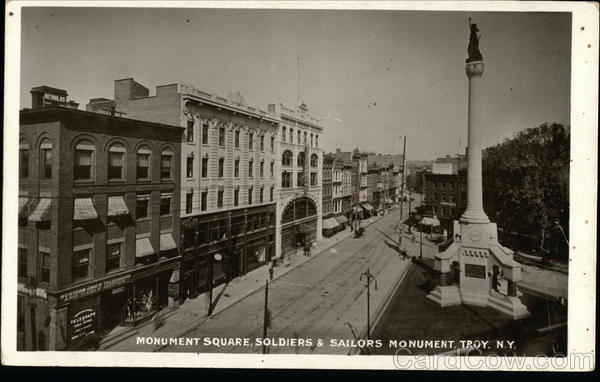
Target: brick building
[[98, 242], [229, 172], [330, 225]]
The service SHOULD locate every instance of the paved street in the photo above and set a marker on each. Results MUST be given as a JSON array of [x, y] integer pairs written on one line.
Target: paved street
[[309, 301]]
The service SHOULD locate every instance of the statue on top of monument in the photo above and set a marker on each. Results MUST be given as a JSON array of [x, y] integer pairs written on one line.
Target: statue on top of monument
[[473, 49]]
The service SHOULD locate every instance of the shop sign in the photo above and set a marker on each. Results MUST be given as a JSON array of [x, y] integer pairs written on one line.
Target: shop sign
[[82, 324], [94, 288], [37, 292]]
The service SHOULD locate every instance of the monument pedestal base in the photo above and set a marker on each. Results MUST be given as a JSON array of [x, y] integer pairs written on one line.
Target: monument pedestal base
[[446, 295], [508, 305]]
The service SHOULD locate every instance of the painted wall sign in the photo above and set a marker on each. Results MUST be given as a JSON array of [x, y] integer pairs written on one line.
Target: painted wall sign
[[475, 271]]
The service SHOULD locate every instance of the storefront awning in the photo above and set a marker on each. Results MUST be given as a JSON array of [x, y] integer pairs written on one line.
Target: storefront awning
[[117, 206], [330, 223], [341, 219], [23, 201], [166, 242], [430, 221], [389, 201], [356, 209], [367, 206], [305, 228], [39, 214], [143, 247], [84, 209]]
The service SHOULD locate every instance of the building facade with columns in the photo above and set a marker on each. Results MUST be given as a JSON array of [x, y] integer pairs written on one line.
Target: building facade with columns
[[300, 165], [229, 178], [98, 230]]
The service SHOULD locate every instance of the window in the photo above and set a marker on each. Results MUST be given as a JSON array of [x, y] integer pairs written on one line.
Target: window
[[272, 144], [189, 197], [81, 263], [23, 160], [286, 179], [84, 152], [142, 205], [250, 141], [221, 136], [205, 167], [305, 141], [237, 138], [250, 168], [45, 267], [250, 190], [165, 204], [301, 159], [190, 131], [262, 169], [236, 197], [316, 141], [272, 168], [220, 198], [271, 193], [189, 167], [291, 135], [283, 134], [286, 158], [236, 168], [166, 159], [205, 133], [203, 200], [261, 195], [22, 262], [313, 160], [116, 162], [143, 163], [221, 167], [311, 140], [46, 159], [299, 137], [113, 256], [262, 143], [313, 178], [300, 179]]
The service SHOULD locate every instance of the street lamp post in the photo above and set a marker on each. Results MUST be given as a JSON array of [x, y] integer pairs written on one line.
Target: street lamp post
[[368, 277], [215, 257]]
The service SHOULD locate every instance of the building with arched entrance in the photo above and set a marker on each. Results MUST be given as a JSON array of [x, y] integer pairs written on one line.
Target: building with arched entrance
[[299, 193]]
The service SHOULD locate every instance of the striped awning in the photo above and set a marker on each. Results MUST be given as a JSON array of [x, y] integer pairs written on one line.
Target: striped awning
[[40, 212], [84, 209], [143, 247], [330, 223], [166, 242], [341, 219], [117, 206], [23, 202]]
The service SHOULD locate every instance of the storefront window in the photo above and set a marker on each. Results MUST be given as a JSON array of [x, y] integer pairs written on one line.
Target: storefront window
[[143, 302]]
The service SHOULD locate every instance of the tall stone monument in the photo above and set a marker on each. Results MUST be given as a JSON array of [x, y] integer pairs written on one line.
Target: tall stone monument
[[475, 269]]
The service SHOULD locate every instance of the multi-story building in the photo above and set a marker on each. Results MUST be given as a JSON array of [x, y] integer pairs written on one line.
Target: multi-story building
[[330, 224], [358, 180], [445, 190], [98, 242], [299, 206], [229, 172]]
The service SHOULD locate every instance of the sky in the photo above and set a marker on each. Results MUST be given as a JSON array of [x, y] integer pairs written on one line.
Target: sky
[[372, 76]]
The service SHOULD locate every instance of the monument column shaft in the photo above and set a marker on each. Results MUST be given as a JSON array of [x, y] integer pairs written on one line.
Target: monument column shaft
[[474, 212]]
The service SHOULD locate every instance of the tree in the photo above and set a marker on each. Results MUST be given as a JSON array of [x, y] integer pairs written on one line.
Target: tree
[[526, 186]]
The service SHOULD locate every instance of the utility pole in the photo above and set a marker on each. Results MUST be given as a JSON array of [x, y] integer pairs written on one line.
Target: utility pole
[[368, 276], [409, 209], [402, 193], [266, 317]]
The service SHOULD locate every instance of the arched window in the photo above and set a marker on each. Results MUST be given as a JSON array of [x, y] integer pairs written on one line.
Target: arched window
[[23, 159], [301, 159], [313, 160], [116, 162], [291, 135], [286, 158], [316, 140], [283, 133], [144, 157], [166, 163], [299, 136], [84, 160], [46, 159]]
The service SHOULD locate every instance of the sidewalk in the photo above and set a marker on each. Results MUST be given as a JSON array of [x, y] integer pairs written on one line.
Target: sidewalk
[[194, 311]]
